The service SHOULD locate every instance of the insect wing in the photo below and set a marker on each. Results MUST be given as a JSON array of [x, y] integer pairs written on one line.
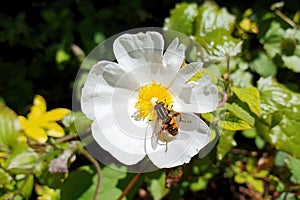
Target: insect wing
[[155, 133]]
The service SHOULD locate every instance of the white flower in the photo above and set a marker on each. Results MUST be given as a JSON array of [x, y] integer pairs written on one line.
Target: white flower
[[120, 99]]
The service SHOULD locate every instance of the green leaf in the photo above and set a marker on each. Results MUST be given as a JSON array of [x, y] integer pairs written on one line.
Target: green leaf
[[260, 142], [182, 18], [211, 18], [263, 65], [5, 178], [218, 45], [84, 179], [262, 174], [281, 158], [226, 142], [293, 165], [157, 187], [241, 177], [81, 179], [203, 72], [199, 185], [272, 39], [77, 122], [257, 184], [233, 123], [25, 186], [9, 129], [61, 56], [240, 113], [276, 97], [278, 41], [250, 96], [23, 162], [241, 78], [292, 62], [250, 133]]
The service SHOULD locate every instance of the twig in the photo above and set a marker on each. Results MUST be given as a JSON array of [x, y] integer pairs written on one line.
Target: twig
[[129, 186], [98, 170], [285, 18], [226, 96], [66, 138], [228, 76]]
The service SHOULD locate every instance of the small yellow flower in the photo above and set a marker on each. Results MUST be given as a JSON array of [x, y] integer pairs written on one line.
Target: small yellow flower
[[40, 124]]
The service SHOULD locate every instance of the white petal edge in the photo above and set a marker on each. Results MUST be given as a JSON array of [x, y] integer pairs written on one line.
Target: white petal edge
[[124, 149], [193, 136], [101, 80], [173, 58], [199, 97], [124, 140], [184, 74], [133, 50]]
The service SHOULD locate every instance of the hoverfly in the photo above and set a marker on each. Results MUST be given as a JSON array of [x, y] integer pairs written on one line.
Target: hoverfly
[[166, 127]]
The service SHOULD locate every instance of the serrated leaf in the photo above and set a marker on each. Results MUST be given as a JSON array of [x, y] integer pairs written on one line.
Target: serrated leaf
[[250, 96], [226, 142], [276, 97], [293, 165], [292, 62], [9, 128], [233, 123], [182, 18], [272, 39], [240, 113], [242, 78], [218, 45], [210, 18]]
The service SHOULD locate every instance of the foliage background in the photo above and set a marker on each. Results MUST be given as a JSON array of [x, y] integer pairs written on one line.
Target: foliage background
[[37, 41]]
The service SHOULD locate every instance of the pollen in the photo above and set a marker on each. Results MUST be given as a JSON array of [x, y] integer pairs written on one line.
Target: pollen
[[148, 96]]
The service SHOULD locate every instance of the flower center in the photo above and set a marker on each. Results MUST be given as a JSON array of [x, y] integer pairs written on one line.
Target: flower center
[[148, 96]]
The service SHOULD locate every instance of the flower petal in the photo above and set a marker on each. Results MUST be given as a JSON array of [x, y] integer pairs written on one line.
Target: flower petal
[[39, 107], [54, 130], [114, 128], [199, 97], [133, 50], [193, 135], [100, 83], [23, 121], [126, 149], [36, 133], [56, 114], [173, 58], [184, 74]]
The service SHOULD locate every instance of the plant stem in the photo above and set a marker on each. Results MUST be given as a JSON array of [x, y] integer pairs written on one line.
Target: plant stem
[[66, 138], [285, 18], [228, 76], [98, 170], [129, 186], [226, 96]]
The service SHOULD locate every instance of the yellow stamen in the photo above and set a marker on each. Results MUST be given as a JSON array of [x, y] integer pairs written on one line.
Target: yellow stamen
[[149, 95]]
